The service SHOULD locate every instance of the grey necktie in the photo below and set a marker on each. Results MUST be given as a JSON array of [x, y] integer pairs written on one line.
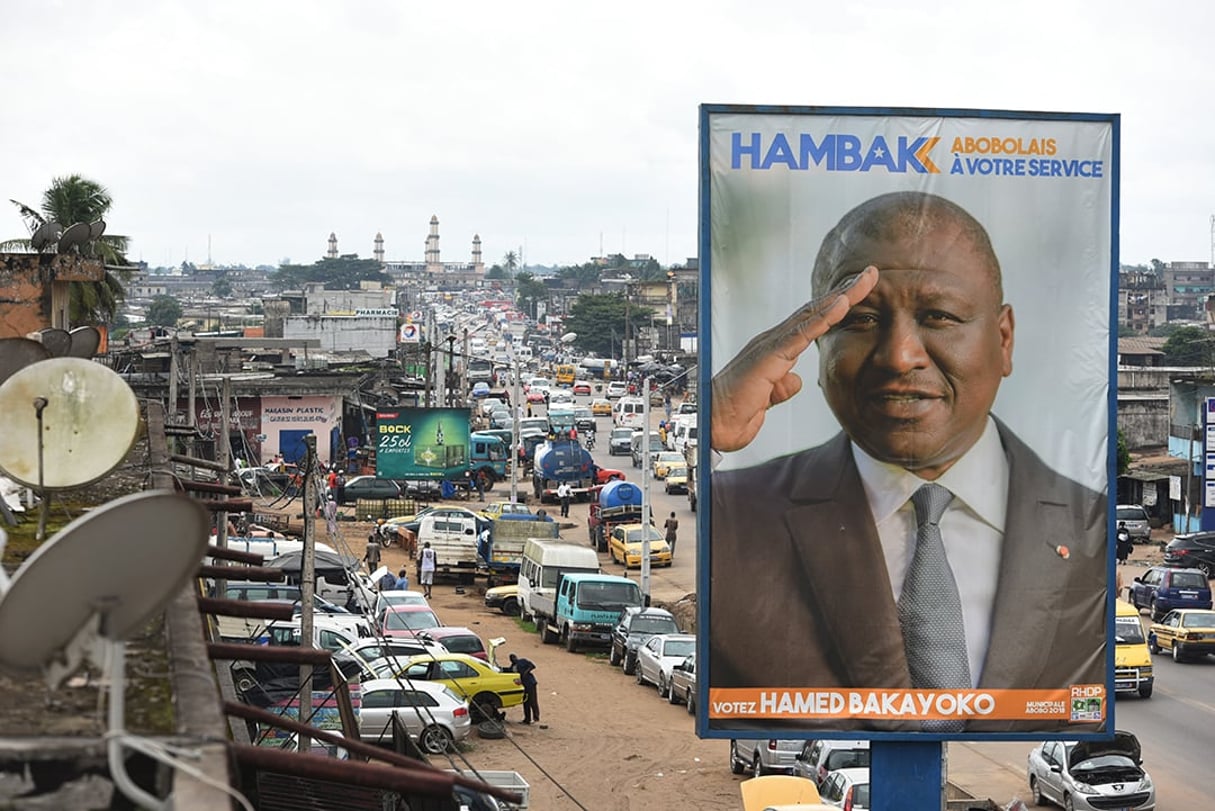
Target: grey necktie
[[930, 610]]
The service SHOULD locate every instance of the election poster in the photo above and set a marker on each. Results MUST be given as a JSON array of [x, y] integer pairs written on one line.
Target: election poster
[[422, 443], [907, 375]]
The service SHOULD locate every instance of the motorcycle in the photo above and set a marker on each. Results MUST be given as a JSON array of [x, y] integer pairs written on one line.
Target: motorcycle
[[590, 440]]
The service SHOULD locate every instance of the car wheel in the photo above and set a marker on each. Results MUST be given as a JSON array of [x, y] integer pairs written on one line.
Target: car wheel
[[510, 606], [1207, 569], [546, 634], [640, 675], [1178, 655], [1035, 792], [1145, 691], [570, 644], [757, 767], [1156, 614], [1068, 805], [1152, 646], [672, 696], [736, 765], [664, 689], [435, 740], [630, 665], [485, 707], [691, 703]]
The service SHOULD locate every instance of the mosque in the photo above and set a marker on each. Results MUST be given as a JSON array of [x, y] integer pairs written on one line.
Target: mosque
[[431, 268]]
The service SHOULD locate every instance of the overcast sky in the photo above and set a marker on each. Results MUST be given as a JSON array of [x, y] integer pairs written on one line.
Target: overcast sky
[[557, 128]]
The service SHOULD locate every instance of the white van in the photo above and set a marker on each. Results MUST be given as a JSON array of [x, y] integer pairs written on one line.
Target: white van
[[683, 434], [629, 412], [544, 559]]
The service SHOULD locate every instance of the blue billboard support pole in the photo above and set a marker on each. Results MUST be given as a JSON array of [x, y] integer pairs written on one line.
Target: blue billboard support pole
[[1206, 510], [906, 774]]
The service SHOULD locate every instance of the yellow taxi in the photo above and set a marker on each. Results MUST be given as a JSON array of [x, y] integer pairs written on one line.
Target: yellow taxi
[[1132, 662], [486, 688], [663, 461], [677, 479], [496, 509], [624, 546], [1186, 632], [601, 407]]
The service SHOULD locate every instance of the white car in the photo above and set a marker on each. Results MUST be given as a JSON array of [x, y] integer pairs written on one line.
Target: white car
[[434, 716], [616, 389], [385, 599], [1091, 775], [817, 759], [658, 657], [371, 652], [846, 788]]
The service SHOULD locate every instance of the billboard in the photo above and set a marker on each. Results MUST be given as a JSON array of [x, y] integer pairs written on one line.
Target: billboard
[[904, 531], [421, 443]]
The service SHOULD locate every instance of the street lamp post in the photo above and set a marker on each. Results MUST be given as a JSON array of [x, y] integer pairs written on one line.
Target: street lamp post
[[645, 491]]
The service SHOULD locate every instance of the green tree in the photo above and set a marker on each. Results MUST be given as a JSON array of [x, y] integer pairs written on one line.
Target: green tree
[[164, 311], [67, 201], [1124, 454], [510, 263], [529, 292], [221, 288], [600, 322], [1189, 346], [342, 273], [583, 275], [497, 272]]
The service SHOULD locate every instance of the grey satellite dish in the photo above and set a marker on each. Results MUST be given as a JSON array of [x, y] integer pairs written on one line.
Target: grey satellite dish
[[96, 230], [75, 236], [57, 341], [86, 415], [44, 235], [85, 342], [17, 353], [125, 560], [97, 581]]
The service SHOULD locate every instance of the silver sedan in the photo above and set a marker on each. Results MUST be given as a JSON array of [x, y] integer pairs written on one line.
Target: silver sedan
[[658, 657]]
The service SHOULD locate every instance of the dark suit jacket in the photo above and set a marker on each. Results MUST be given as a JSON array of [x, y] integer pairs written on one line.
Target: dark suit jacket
[[800, 596]]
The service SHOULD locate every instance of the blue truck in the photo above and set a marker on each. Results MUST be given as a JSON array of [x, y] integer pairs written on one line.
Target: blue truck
[[586, 607], [562, 460]]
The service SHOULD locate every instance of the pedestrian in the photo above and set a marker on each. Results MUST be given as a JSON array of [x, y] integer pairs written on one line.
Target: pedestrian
[[426, 568], [402, 583], [529, 408], [331, 481], [479, 483], [340, 491], [331, 512], [564, 492], [527, 675], [387, 581], [666, 405], [1125, 544], [671, 526], [372, 555]]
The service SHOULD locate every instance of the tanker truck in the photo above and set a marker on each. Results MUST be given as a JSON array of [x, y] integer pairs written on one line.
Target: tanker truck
[[562, 460], [617, 502]]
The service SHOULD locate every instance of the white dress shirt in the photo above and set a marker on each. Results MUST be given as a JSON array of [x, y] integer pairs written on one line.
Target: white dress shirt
[[972, 528]]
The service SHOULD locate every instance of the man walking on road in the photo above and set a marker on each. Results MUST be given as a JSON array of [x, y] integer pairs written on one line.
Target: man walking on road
[[372, 555], [671, 526], [426, 570], [527, 675], [564, 492]]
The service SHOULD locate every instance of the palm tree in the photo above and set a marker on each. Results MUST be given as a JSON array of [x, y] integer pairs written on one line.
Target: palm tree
[[510, 262], [74, 199]]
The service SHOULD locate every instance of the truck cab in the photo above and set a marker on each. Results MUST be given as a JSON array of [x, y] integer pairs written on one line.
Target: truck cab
[[586, 609]]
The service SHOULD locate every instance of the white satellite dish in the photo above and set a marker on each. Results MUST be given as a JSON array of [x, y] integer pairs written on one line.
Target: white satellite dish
[[97, 581], [569, 337], [85, 341], [75, 236], [17, 353], [79, 417], [126, 560]]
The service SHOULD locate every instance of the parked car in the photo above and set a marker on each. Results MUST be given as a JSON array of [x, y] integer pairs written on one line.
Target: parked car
[[633, 627], [763, 756], [386, 599], [620, 442], [656, 659], [365, 654], [616, 388], [846, 788], [496, 509], [1136, 520], [487, 688], [625, 545], [1161, 589], [504, 598], [1186, 632], [369, 487], [1091, 775], [683, 684], [407, 620], [601, 407], [432, 713], [457, 640], [1193, 551], [819, 758]]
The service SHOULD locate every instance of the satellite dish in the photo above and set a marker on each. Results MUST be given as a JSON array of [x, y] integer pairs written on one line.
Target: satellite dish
[[17, 353], [85, 342], [57, 341], [75, 236], [569, 337], [89, 422], [96, 230], [101, 563], [44, 235]]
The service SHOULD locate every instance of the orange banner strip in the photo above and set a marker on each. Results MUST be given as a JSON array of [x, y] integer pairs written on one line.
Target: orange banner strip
[[1078, 704]]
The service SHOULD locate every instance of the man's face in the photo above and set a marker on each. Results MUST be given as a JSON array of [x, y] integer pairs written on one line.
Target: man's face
[[911, 372]]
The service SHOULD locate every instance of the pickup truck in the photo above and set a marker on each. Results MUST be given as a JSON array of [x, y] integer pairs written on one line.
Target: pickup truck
[[586, 609], [454, 539], [501, 553], [617, 502]]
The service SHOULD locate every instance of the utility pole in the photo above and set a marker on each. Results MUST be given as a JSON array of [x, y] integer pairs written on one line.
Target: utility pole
[[514, 448], [307, 582], [645, 491]]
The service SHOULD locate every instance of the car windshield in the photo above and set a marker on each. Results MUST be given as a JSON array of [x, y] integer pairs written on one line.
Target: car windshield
[[860, 795], [848, 759], [654, 625], [1189, 580], [622, 433], [634, 535], [1128, 631], [463, 644], [608, 596], [1131, 514], [679, 647], [1198, 620], [411, 620]]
